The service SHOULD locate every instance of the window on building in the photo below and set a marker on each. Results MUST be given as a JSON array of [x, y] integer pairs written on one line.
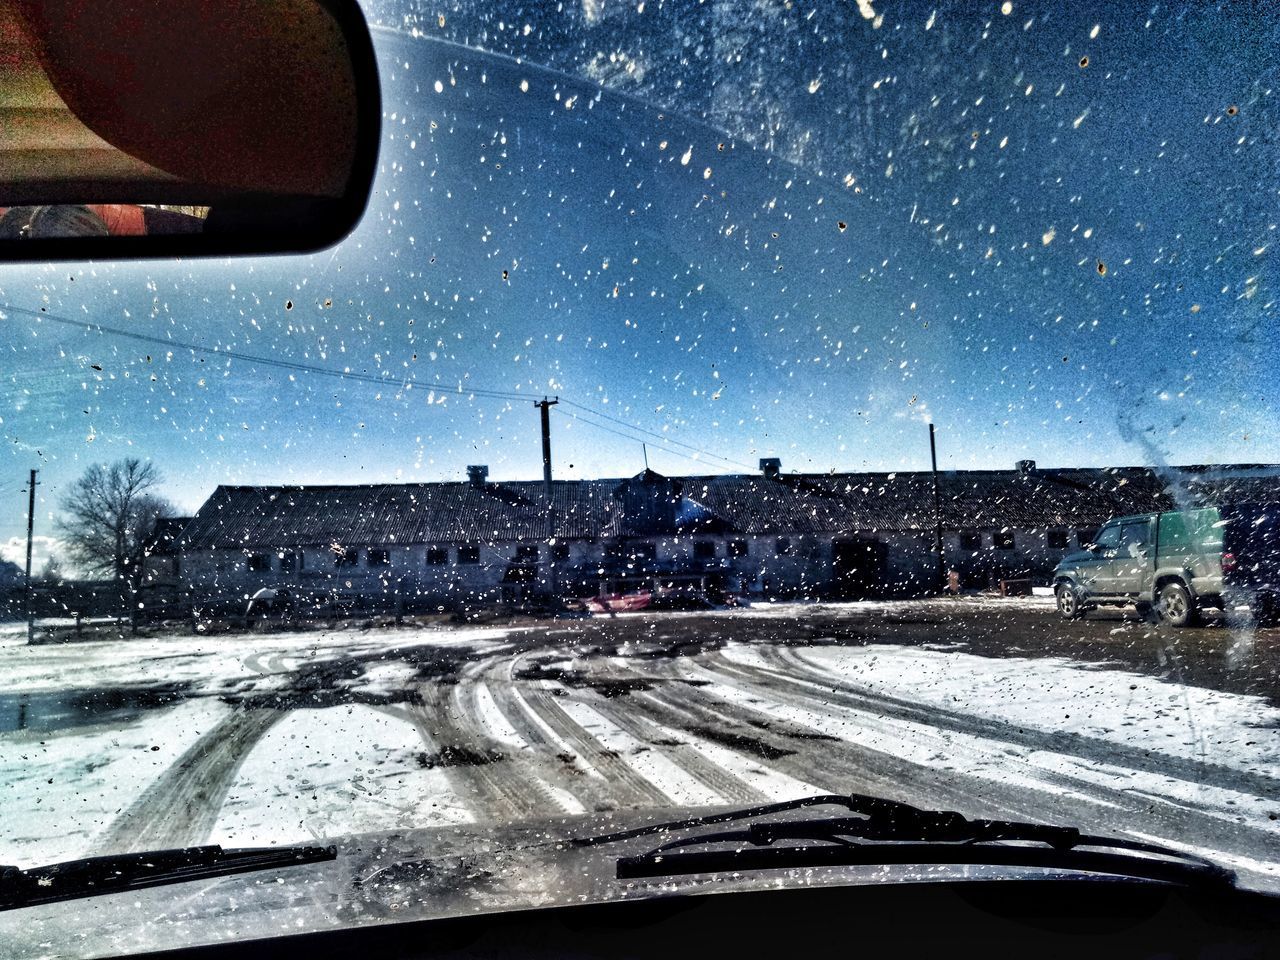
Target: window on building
[[469, 553], [437, 556], [559, 552], [970, 541], [288, 561], [704, 549], [783, 547], [1004, 539], [258, 562], [345, 556], [643, 551], [379, 557], [527, 552], [1057, 539], [738, 548]]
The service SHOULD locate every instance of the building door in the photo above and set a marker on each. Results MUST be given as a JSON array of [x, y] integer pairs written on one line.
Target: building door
[[858, 568]]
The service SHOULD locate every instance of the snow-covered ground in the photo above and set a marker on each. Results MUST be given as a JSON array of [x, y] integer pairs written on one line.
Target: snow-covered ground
[[1058, 696], [311, 735], [1048, 699], [208, 662], [59, 792], [333, 772]]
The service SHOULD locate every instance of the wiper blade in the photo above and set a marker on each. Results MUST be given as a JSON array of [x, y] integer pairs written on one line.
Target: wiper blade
[[889, 832], [858, 803], [94, 876], [1114, 860]]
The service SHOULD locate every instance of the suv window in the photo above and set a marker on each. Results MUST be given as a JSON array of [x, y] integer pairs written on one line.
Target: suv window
[[1134, 538], [1108, 538]]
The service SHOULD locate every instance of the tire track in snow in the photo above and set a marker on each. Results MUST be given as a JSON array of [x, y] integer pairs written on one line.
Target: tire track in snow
[[791, 664], [882, 769], [768, 780], [533, 768], [828, 764], [625, 786], [565, 761], [180, 808], [677, 784], [655, 734], [476, 764], [1026, 782]]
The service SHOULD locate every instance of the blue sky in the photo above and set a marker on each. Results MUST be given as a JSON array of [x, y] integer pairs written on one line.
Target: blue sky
[[920, 240]]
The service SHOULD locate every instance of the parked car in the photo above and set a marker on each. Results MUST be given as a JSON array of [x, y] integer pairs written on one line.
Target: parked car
[[1178, 563]]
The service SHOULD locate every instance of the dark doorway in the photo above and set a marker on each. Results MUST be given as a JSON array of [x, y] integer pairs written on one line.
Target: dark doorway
[[858, 568]]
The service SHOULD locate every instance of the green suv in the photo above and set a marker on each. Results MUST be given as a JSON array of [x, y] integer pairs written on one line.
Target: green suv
[[1177, 563]]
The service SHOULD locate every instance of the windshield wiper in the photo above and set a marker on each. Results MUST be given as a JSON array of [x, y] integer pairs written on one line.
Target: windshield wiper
[[94, 876], [888, 832]]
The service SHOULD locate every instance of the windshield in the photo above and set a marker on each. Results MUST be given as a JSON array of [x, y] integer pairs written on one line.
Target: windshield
[[712, 408]]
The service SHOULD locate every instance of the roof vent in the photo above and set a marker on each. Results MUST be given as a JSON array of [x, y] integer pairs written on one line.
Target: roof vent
[[771, 467], [477, 474], [1026, 466]]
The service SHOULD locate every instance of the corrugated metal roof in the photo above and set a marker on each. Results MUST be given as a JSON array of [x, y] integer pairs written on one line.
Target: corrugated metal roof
[[816, 504]]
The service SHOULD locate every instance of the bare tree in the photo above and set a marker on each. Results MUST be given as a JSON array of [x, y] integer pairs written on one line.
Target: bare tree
[[108, 516]]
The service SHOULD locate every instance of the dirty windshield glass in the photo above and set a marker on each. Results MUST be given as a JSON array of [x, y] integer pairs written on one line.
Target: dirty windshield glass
[[717, 404]]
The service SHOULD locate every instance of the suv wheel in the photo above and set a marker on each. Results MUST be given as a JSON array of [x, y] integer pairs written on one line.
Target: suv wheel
[[1176, 606], [1069, 606]]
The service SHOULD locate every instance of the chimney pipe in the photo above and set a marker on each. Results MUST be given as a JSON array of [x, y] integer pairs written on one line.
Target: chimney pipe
[[477, 475], [771, 467]]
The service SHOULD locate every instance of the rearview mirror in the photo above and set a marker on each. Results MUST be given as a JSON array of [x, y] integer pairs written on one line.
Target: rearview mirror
[[165, 128]]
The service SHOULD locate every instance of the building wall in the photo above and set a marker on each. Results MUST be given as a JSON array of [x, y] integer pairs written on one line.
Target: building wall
[[227, 574], [1032, 555], [780, 566]]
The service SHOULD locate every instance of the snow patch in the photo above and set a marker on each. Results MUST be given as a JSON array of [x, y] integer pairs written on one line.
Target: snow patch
[[328, 773]]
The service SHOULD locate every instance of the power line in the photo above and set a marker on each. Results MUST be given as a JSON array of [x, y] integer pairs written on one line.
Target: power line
[[89, 326], [635, 439], [651, 433]]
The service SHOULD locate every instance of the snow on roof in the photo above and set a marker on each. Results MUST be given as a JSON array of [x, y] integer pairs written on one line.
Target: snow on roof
[[237, 517]]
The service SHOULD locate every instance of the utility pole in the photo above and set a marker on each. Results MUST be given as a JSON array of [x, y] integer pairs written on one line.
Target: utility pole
[[937, 512], [26, 595], [544, 406]]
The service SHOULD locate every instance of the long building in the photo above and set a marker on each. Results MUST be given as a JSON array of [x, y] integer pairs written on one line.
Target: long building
[[771, 535]]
